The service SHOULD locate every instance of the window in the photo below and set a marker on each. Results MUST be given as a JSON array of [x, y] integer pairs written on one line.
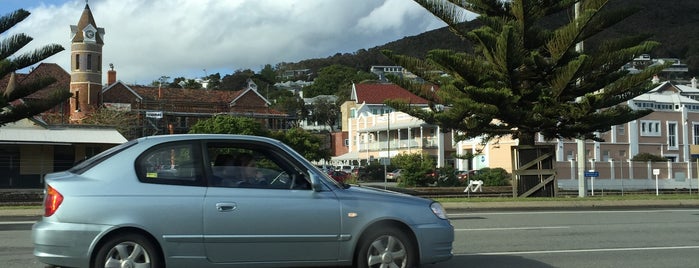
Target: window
[[672, 135], [621, 130], [244, 165], [99, 63], [77, 61], [182, 121], [77, 100], [650, 128], [91, 151], [569, 156], [89, 62], [353, 113], [171, 163], [346, 142], [695, 134]]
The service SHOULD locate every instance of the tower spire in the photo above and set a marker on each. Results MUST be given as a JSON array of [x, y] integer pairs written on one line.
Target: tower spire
[[86, 65]]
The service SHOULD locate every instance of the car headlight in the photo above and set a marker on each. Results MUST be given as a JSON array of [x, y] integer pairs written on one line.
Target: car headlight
[[438, 210]]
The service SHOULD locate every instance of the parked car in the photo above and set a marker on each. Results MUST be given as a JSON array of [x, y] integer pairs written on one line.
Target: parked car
[[393, 175], [465, 175], [339, 176], [345, 168], [117, 209]]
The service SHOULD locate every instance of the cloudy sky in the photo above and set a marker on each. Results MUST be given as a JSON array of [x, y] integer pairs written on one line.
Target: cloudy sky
[[146, 39]]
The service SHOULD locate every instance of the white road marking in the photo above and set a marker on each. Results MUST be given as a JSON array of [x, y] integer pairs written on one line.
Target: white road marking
[[570, 212], [577, 251], [16, 222], [512, 228]]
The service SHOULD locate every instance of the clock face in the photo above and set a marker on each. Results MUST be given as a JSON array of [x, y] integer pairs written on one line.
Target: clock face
[[90, 34]]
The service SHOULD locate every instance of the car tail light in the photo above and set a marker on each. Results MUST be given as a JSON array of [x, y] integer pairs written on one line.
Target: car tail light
[[52, 201]]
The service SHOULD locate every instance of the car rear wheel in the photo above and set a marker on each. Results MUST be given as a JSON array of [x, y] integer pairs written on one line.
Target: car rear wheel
[[387, 248], [129, 250]]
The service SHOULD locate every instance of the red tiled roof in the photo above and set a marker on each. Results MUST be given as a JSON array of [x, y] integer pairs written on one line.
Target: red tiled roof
[[42, 70], [217, 101], [377, 93], [186, 95]]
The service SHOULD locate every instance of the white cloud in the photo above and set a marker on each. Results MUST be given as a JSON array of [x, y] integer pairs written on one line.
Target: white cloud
[[149, 38]]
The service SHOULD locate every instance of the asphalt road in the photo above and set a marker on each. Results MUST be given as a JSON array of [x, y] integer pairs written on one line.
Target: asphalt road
[[634, 237]]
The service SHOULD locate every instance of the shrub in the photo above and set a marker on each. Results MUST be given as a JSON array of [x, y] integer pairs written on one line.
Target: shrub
[[645, 157], [414, 166], [493, 177], [448, 178]]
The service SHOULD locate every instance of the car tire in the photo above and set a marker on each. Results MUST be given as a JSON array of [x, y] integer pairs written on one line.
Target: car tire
[[128, 250], [386, 248]]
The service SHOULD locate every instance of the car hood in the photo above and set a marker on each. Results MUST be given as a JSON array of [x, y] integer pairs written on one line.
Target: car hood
[[376, 192]]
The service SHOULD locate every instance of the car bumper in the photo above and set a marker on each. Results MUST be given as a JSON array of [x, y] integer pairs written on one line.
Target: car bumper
[[64, 244], [435, 241]]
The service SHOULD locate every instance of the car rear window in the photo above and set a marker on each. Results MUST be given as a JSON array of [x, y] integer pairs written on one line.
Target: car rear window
[[85, 165], [171, 163]]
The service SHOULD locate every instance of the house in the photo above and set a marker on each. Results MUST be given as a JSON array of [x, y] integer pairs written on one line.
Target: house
[[376, 131], [327, 101], [30, 148], [671, 131], [175, 110]]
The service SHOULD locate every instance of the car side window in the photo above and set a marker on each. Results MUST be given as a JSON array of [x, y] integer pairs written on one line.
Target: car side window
[[240, 165], [171, 163]]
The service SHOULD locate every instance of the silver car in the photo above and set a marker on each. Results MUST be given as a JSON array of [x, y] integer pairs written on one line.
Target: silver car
[[227, 201]]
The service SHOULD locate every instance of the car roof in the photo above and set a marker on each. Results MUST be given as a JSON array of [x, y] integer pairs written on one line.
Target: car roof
[[178, 137]]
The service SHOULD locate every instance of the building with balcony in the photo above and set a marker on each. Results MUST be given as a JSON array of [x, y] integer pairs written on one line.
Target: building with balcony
[[376, 131]]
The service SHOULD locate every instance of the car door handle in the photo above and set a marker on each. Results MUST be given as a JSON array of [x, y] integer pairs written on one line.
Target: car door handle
[[225, 207]]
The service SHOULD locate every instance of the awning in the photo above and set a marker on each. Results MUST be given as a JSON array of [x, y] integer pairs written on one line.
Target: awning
[[60, 136], [347, 156]]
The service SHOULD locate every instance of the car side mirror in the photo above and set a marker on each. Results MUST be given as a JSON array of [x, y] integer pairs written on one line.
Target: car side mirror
[[316, 185]]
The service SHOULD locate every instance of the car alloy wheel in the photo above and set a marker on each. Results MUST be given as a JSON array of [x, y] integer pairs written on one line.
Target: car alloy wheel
[[387, 248], [128, 250]]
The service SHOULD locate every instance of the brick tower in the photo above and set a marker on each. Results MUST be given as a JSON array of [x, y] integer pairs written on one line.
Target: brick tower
[[85, 66]]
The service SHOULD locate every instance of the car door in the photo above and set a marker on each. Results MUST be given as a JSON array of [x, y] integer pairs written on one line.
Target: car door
[[271, 222]]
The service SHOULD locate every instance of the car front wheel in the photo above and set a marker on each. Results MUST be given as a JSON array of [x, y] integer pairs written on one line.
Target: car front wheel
[[387, 248], [129, 250]]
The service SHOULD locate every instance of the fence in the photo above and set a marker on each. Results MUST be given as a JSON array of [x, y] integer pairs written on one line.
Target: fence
[[630, 175]]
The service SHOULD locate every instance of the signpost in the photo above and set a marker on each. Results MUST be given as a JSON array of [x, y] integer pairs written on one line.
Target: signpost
[[656, 172], [592, 174]]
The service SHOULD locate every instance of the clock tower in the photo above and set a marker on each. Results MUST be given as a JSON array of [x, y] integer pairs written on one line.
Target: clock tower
[[85, 66]]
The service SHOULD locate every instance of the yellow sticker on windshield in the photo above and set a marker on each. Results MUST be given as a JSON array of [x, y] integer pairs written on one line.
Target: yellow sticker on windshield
[[152, 175]]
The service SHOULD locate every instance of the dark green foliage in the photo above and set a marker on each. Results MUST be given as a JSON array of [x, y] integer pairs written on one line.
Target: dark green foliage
[[646, 157], [525, 75], [311, 146], [226, 124], [493, 177], [375, 172], [448, 178], [10, 62], [335, 79], [415, 167]]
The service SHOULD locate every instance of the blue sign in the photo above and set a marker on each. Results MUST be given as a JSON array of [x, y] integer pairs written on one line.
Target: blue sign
[[591, 174]]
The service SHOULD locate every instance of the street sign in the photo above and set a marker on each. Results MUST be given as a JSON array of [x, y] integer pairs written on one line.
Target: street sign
[[156, 115], [591, 173]]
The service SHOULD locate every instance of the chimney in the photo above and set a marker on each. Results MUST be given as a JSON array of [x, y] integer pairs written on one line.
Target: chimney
[[656, 79], [111, 75], [694, 82]]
